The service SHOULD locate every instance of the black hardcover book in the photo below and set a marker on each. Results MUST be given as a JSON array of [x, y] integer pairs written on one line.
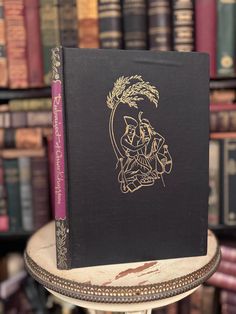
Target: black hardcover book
[[131, 155], [110, 28], [159, 30], [135, 24]]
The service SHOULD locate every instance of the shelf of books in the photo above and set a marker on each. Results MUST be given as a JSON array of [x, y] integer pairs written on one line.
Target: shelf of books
[[29, 29]]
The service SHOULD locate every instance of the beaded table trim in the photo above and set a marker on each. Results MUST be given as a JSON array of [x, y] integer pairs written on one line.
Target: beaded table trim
[[122, 294]]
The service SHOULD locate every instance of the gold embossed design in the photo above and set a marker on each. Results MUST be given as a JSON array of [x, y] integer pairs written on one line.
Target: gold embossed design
[[142, 153], [122, 294], [61, 235], [55, 63]]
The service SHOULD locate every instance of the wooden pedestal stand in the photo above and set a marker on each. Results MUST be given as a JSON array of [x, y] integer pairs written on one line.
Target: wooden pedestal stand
[[133, 287]]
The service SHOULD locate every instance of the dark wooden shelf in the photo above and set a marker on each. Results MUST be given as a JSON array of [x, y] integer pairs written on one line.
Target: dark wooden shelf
[[223, 82], [8, 94], [19, 235], [223, 231]]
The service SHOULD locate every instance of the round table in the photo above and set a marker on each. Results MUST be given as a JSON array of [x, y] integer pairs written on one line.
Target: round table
[[131, 287]]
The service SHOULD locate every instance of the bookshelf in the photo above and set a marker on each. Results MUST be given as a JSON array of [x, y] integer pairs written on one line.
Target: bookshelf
[[8, 94]]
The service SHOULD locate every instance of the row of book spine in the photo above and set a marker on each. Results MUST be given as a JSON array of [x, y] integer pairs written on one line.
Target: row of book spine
[[24, 167], [24, 199], [30, 28]]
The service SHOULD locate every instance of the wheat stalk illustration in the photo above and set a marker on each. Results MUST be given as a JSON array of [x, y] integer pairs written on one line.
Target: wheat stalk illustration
[[128, 90]]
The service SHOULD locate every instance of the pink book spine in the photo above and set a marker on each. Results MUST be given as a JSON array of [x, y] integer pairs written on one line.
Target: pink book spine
[[62, 229]]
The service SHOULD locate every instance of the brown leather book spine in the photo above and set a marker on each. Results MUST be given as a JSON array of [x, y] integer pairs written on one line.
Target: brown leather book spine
[[159, 14], [34, 46], [3, 58], [88, 23], [21, 138], [16, 43], [183, 25]]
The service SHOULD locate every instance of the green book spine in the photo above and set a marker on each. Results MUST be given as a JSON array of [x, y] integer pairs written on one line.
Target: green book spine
[[49, 16], [226, 37], [11, 172]]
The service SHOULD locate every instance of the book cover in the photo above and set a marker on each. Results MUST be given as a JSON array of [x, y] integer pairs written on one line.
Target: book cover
[[3, 57], [110, 26], [87, 14], [129, 155], [33, 44], [183, 25], [159, 21], [226, 37], [135, 24], [16, 43], [11, 177], [205, 11]]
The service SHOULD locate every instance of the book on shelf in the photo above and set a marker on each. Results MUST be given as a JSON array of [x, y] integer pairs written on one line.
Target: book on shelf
[[223, 118], [223, 281], [25, 119], [4, 218], [3, 56], [159, 25], [228, 297], [226, 39], [87, 14], [135, 24], [205, 17], [123, 155], [110, 24], [32, 104], [224, 96], [21, 138]]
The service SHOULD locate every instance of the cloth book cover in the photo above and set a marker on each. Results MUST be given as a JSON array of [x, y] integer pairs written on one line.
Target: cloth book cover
[[130, 154]]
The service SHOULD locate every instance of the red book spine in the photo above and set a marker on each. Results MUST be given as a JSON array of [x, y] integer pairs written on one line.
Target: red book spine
[[222, 107], [16, 43], [205, 11], [34, 47]]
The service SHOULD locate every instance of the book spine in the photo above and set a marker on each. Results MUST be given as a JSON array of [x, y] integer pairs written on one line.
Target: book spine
[[228, 309], [110, 28], [11, 172], [223, 121], [87, 12], [159, 14], [4, 219], [16, 43], [214, 183], [226, 37], [34, 47], [24, 138], [68, 24], [3, 57], [26, 193], [49, 22], [30, 104], [36, 119], [205, 11], [135, 24], [229, 181], [40, 191], [183, 25], [60, 173]]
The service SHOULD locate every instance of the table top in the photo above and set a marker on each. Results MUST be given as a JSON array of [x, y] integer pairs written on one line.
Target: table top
[[119, 287]]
